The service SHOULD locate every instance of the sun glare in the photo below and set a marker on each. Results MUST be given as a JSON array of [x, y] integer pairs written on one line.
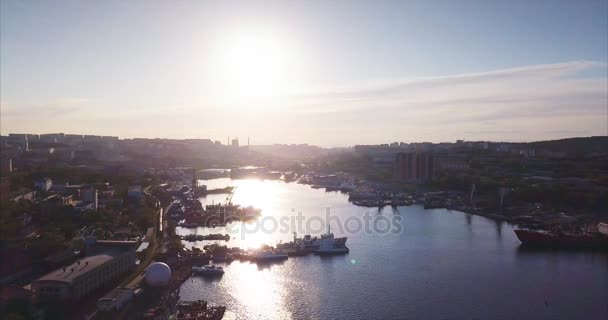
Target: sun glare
[[252, 67]]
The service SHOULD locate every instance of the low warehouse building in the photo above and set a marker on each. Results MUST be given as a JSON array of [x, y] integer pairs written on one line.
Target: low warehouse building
[[83, 277]]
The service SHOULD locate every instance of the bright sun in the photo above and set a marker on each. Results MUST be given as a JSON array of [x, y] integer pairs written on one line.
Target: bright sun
[[252, 67]]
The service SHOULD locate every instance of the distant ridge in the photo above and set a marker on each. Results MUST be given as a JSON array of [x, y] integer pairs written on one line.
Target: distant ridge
[[580, 145]]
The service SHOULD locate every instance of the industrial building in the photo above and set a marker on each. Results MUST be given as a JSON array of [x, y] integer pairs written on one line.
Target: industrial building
[[72, 282]]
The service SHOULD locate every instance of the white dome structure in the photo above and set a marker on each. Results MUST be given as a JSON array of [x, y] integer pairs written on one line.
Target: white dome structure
[[158, 274]]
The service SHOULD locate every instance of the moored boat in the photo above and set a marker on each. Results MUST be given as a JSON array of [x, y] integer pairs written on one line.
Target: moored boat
[[329, 247], [313, 243], [269, 255], [208, 270], [571, 240]]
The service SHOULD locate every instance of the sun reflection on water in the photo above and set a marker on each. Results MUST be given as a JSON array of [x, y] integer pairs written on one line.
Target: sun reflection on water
[[258, 290], [260, 194]]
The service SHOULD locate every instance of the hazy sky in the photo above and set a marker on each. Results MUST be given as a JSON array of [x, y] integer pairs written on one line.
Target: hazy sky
[[330, 73]]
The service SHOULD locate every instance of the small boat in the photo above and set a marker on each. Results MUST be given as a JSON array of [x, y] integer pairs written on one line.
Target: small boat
[[222, 257], [208, 270]]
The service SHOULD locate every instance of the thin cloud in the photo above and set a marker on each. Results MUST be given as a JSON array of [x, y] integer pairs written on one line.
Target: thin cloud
[[61, 107], [388, 88], [523, 103]]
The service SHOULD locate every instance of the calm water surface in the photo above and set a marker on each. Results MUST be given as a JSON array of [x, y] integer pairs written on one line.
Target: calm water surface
[[444, 265]]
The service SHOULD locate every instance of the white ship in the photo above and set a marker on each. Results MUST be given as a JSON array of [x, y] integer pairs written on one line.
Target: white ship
[[329, 247], [313, 243]]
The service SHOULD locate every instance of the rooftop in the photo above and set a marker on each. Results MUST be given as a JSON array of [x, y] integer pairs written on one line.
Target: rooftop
[[102, 246], [144, 245], [69, 273]]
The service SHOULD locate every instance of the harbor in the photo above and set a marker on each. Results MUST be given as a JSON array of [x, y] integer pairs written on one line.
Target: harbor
[[212, 276], [212, 272], [415, 260], [325, 244], [161, 281]]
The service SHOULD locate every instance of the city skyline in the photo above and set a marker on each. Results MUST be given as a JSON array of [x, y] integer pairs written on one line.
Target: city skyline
[[334, 74]]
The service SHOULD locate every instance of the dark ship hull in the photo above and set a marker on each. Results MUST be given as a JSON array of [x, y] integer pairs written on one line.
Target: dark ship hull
[[562, 240]]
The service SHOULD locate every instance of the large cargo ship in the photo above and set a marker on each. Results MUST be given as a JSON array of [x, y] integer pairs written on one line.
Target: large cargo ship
[[577, 240]]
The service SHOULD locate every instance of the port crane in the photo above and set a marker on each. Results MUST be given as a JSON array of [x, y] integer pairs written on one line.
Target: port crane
[[229, 197]]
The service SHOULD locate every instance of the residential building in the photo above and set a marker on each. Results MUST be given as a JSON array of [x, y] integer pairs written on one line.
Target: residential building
[[73, 139], [383, 161], [19, 140], [414, 167], [64, 154], [52, 137], [451, 162]]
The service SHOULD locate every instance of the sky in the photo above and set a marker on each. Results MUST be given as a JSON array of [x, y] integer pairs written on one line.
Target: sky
[[329, 73]]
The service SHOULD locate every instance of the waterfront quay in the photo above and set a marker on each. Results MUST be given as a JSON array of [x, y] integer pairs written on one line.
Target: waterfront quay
[[394, 193]]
